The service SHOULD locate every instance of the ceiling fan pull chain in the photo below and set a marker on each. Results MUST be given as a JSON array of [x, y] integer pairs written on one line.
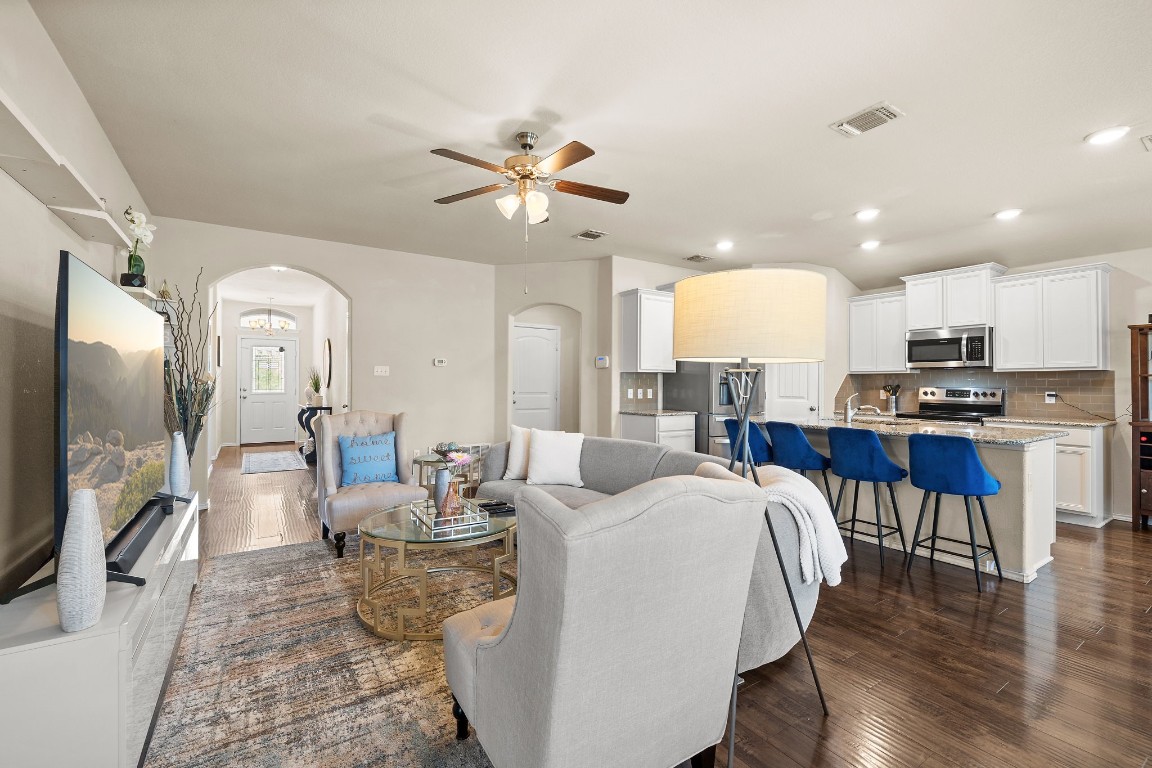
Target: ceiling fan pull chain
[[525, 252]]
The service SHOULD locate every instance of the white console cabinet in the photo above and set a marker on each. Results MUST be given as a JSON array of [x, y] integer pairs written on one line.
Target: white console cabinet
[[87, 698]]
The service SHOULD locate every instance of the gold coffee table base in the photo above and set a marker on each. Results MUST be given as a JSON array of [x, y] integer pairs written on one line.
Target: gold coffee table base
[[379, 571]]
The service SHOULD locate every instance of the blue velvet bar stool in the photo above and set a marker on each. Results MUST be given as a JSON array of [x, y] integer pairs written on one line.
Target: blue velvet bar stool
[[791, 450], [757, 442], [857, 455], [950, 465]]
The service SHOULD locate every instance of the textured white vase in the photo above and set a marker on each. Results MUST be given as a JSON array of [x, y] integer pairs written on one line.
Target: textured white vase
[[81, 578], [179, 476]]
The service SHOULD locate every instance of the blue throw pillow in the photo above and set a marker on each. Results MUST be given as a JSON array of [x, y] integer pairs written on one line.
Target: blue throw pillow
[[368, 459]]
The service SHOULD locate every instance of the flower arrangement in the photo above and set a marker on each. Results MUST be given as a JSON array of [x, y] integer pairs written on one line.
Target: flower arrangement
[[458, 460], [142, 232]]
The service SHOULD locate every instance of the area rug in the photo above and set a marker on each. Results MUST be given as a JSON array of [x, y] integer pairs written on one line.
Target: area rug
[[272, 461], [275, 670]]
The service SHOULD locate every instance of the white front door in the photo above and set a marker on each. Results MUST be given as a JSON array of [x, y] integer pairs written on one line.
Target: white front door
[[267, 376], [792, 391], [536, 376]]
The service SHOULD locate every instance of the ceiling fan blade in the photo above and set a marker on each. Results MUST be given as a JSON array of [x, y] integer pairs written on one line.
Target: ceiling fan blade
[[471, 193], [454, 155], [588, 190], [569, 154]]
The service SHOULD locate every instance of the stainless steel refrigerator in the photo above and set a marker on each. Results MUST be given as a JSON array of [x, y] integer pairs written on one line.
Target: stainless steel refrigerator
[[701, 387]]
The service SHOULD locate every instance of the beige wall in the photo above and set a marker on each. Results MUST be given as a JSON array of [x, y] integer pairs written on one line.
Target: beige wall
[[406, 309]]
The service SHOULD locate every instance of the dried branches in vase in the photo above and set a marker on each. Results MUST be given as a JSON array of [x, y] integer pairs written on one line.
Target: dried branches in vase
[[188, 381]]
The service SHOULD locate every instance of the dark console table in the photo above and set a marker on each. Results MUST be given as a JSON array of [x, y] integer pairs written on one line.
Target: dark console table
[[305, 417]]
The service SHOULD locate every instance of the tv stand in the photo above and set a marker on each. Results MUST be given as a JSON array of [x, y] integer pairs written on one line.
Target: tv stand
[[89, 698], [48, 581]]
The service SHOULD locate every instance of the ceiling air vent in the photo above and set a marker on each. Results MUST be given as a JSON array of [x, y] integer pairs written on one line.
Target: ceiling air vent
[[589, 234], [1147, 142], [865, 120], [698, 258]]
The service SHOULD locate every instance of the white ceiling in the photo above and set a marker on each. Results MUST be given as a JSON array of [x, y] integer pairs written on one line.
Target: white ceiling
[[316, 119], [290, 287]]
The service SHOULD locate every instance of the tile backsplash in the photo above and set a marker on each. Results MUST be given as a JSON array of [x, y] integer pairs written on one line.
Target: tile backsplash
[[639, 383], [1092, 391]]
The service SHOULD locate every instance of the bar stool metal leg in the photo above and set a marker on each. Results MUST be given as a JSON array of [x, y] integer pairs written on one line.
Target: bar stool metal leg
[[879, 522], [991, 540], [935, 526], [839, 498], [827, 486], [896, 514], [972, 541], [855, 504], [919, 524]]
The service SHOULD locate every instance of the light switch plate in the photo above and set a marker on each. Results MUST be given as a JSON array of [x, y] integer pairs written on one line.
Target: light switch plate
[[381, 370], [631, 394], [649, 394]]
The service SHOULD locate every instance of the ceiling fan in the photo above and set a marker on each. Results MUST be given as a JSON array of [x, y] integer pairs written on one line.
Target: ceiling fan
[[528, 171]]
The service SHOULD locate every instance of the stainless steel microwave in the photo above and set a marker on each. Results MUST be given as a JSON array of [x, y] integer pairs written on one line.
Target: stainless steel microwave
[[968, 347]]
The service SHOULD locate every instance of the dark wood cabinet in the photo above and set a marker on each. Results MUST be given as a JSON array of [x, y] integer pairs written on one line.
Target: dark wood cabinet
[[1141, 426]]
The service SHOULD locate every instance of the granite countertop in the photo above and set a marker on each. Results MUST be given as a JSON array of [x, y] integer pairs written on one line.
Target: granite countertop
[[977, 433], [655, 412], [1055, 422]]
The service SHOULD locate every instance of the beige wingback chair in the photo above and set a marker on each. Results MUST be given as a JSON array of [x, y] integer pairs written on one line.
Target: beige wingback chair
[[342, 508], [621, 645]]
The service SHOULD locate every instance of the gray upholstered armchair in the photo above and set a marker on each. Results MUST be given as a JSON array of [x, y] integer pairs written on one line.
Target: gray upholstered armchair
[[621, 645], [341, 508]]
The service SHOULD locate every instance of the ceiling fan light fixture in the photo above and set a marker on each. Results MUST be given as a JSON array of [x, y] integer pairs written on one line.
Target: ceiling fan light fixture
[[508, 205], [536, 202]]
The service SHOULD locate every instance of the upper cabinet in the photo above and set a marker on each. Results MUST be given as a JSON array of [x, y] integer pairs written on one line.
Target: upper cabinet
[[951, 298], [646, 328], [1052, 320], [876, 333]]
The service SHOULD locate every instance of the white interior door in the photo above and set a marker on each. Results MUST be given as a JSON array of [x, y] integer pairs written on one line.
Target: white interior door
[[792, 391], [536, 376], [267, 377]]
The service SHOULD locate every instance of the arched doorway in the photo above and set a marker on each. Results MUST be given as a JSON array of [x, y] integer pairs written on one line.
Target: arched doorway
[[273, 327], [530, 331]]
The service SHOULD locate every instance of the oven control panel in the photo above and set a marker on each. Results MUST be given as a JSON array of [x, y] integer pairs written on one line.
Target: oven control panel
[[958, 395]]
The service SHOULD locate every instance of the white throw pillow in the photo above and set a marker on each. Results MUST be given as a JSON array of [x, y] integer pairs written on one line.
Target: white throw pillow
[[518, 453], [554, 458]]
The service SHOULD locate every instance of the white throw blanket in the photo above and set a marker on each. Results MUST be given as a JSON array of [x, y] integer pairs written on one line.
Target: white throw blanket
[[821, 548]]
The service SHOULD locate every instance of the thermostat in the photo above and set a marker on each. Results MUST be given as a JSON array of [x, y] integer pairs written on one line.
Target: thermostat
[[439, 362], [602, 361]]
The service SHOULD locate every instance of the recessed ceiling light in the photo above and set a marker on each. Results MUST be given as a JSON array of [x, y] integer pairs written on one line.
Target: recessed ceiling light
[[870, 245], [1009, 213], [277, 268], [724, 245], [867, 214], [1108, 135]]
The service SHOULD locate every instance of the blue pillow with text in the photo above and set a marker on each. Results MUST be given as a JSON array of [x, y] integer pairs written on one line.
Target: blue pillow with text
[[368, 459]]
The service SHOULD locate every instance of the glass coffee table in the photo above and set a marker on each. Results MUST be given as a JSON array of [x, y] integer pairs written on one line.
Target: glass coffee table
[[401, 528]]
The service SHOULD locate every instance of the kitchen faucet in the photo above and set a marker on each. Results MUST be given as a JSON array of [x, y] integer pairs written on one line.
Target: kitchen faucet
[[849, 411]]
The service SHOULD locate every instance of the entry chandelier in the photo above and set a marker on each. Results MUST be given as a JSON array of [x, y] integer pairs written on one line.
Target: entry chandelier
[[258, 323]]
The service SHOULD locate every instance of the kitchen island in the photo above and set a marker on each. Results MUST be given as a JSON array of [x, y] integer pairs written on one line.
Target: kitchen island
[[1023, 514]]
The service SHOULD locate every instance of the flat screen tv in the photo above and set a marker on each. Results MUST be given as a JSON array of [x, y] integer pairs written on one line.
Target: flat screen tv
[[110, 404]]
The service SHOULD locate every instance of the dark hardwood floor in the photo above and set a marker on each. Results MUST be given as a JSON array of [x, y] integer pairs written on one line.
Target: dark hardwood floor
[[257, 511], [919, 670]]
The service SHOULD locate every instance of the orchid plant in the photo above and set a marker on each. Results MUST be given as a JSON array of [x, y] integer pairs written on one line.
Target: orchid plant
[[142, 233]]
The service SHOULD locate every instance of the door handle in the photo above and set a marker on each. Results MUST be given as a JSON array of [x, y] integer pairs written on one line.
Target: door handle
[[812, 408], [243, 397]]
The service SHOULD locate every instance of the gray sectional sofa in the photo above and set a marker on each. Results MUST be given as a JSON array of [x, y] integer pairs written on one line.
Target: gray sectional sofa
[[609, 466]]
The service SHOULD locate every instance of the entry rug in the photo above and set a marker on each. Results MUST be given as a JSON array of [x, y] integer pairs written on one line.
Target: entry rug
[[275, 670], [272, 461]]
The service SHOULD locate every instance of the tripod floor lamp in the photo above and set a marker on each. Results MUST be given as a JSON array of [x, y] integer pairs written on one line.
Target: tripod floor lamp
[[754, 316]]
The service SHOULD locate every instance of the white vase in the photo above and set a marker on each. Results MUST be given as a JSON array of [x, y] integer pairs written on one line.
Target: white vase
[[81, 577], [317, 400], [179, 475]]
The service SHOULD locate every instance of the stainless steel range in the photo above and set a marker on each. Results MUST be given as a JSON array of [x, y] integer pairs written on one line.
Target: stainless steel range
[[966, 404]]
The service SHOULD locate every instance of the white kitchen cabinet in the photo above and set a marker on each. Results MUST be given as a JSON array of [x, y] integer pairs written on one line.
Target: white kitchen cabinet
[[876, 333], [1018, 338], [1052, 320], [677, 431], [951, 298], [646, 331], [1082, 490]]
